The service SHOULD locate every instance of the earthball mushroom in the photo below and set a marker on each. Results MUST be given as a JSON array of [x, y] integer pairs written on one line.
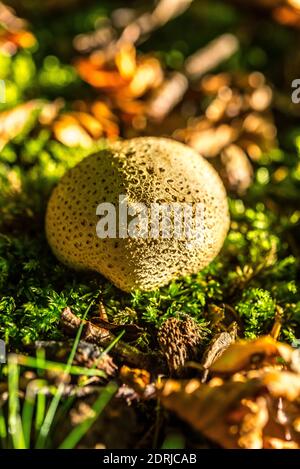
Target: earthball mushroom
[[141, 212]]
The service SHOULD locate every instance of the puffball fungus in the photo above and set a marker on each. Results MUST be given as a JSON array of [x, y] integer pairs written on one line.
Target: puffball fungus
[[145, 170]]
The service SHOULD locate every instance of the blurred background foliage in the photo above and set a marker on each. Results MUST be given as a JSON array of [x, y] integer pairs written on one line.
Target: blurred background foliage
[[215, 75]]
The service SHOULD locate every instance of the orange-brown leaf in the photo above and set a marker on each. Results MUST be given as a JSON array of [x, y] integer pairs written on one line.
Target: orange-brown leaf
[[68, 131], [99, 78], [240, 354]]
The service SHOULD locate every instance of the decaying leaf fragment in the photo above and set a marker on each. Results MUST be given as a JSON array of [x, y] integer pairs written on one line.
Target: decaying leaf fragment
[[79, 127], [258, 408]]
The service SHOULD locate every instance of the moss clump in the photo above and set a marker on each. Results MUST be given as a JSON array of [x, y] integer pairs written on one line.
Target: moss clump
[[257, 309]]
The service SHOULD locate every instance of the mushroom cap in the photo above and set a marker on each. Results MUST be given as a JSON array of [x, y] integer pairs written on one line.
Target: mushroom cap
[[146, 170]]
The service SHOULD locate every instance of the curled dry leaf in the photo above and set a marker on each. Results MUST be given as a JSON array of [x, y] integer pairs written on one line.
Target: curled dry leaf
[[217, 347], [131, 331], [244, 354], [204, 406]]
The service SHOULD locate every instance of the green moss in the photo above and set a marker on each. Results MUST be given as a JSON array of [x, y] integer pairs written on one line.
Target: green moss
[[257, 309], [257, 269]]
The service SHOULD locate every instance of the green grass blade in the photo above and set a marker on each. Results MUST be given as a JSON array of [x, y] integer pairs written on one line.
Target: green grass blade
[[3, 430], [90, 372], [110, 346], [45, 428], [27, 413], [80, 430], [40, 358], [40, 410], [32, 362], [14, 417], [34, 393]]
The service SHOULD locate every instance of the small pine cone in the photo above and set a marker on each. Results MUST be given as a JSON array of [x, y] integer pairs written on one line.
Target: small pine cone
[[179, 340]]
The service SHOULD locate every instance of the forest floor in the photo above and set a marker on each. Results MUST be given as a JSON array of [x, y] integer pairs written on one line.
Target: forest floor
[[236, 109]]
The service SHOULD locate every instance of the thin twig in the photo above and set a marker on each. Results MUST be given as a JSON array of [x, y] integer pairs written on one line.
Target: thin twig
[[103, 337]]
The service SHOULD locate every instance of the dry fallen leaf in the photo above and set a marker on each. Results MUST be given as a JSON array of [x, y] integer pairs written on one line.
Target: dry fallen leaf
[[68, 130], [204, 406], [126, 61], [74, 128], [14, 120], [217, 347], [236, 124], [244, 354], [258, 408], [13, 31], [126, 80], [136, 378]]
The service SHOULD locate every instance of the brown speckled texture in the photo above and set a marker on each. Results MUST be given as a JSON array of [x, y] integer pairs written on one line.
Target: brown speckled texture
[[146, 169]]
